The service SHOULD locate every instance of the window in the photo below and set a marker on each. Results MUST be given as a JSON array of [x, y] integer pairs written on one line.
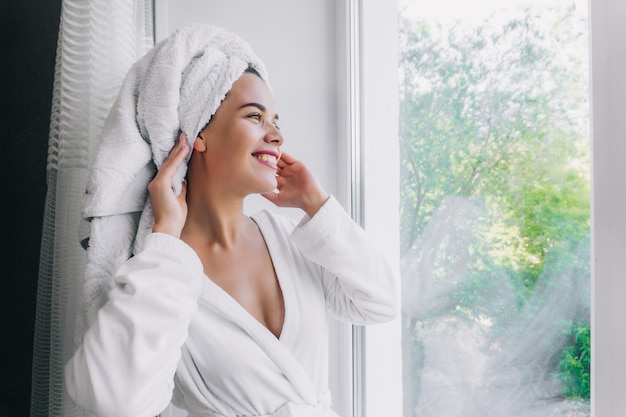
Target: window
[[494, 207]]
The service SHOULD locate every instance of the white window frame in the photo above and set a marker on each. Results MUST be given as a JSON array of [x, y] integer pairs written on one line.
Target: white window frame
[[368, 110], [346, 350], [608, 207]]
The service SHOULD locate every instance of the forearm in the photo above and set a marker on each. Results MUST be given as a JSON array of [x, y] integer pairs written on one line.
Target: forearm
[[360, 283]]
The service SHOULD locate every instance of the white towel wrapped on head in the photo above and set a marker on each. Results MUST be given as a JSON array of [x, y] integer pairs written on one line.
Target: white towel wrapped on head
[[176, 87]]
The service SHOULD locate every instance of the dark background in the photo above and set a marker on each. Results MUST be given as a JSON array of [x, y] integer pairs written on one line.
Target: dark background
[[29, 31]]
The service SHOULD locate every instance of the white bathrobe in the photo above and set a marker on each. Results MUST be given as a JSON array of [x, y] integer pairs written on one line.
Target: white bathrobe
[[170, 333]]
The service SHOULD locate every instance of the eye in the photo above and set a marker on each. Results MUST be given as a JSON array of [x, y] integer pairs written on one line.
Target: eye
[[256, 116], [277, 125]]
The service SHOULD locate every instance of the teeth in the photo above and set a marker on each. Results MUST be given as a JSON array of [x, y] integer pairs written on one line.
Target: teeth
[[267, 158]]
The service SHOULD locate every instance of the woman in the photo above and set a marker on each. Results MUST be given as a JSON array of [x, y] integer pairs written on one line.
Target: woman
[[222, 313]]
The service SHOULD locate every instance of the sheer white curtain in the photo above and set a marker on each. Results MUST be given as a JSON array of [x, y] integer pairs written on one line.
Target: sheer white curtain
[[98, 41]]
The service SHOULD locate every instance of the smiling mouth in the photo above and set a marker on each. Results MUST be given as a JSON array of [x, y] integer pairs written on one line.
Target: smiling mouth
[[271, 159]]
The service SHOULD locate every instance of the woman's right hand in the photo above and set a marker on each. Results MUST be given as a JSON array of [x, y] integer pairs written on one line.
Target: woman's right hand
[[169, 210]]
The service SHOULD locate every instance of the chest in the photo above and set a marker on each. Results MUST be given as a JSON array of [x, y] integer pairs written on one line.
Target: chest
[[249, 277]]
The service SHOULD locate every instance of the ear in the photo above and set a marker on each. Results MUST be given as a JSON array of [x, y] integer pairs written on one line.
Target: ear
[[199, 145]]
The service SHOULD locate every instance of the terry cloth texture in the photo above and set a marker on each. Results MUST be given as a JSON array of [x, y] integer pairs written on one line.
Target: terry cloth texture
[[176, 87]]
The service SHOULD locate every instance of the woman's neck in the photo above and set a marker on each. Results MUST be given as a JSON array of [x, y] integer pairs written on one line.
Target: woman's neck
[[215, 221]]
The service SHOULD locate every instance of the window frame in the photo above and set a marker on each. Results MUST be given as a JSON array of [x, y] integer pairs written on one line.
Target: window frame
[[346, 347], [368, 108], [607, 22]]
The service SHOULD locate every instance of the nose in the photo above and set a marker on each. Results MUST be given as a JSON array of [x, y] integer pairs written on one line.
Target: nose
[[274, 136]]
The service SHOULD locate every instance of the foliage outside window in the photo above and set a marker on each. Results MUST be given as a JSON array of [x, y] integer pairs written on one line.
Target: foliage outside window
[[495, 214]]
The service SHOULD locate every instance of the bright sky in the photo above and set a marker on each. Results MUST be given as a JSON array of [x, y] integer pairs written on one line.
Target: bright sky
[[471, 10]]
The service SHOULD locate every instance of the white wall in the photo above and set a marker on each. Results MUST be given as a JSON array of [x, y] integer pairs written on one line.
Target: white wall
[[608, 70]]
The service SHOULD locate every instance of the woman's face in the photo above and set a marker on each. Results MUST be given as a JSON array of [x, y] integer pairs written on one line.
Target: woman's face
[[242, 142]]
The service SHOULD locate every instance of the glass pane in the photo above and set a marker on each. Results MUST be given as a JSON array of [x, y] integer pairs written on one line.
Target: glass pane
[[494, 195]]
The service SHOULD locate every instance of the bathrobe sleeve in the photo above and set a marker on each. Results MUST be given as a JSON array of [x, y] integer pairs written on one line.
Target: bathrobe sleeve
[[126, 363], [359, 282]]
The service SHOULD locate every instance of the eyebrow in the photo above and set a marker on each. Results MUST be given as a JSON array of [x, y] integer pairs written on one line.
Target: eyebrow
[[258, 106]]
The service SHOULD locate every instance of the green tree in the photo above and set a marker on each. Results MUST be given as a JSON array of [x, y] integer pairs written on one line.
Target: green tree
[[498, 114], [574, 369]]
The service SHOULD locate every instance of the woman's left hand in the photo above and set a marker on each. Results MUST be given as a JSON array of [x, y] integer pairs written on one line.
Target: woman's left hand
[[297, 187]]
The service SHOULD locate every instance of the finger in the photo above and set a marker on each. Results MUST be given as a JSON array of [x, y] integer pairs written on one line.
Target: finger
[[176, 156], [281, 164], [287, 159], [178, 149]]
